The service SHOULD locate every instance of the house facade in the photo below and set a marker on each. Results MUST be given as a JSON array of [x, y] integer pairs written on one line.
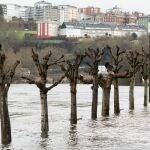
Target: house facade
[[76, 30], [90, 10], [70, 13], [117, 16], [47, 29], [143, 21]]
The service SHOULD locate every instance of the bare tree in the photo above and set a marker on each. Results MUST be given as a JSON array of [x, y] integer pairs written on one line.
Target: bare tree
[[145, 75], [117, 57], [42, 67], [71, 70], [105, 83], [95, 57], [6, 77], [136, 61]]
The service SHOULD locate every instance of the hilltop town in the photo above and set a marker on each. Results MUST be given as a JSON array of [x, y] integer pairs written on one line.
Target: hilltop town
[[69, 21]]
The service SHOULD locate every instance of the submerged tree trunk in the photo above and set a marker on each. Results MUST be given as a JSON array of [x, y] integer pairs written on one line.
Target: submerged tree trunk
[[5, 120], [105, 101], [94, 98], [145, 92], [6, 78], [44, 114], [116, 97], [131, 93], [73, 116]]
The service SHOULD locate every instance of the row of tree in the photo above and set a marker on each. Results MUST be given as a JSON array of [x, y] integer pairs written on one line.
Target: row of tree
[[137, 61]]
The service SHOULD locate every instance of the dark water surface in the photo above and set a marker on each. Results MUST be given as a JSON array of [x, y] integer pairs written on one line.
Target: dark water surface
[[129, 131]]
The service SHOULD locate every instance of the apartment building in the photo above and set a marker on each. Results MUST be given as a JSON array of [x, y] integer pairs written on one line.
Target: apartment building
[[90, 10], [117, 16], [39, 10], [143, 21], [4, 7], [13, 10], [54, 13], [29, 13], [95, 18], [70, 13], [138, 14]]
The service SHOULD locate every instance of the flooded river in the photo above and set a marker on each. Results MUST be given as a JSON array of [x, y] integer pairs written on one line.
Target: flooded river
[[129, 131]]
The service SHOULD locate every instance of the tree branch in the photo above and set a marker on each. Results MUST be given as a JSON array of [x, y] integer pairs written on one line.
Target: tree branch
[[119, 68], [37, 62], [86, 80], [58, 61], [112, 55], [29, 80], [46, 58], [10, 75], [122, 75], [88, 64], [56, 83]]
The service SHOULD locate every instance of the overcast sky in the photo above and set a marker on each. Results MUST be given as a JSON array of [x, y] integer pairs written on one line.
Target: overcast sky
[[127, 5]]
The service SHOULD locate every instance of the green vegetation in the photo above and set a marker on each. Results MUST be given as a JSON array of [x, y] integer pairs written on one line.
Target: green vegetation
[[21, 34], [134, 36]]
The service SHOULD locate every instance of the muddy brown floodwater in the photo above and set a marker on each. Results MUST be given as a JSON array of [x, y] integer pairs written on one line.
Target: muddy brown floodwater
[[128, 131]]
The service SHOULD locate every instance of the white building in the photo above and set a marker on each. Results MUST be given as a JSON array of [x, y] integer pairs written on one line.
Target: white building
[[97, 30], [102, 70], [4, 7], [70, 13], [44, 11], [29, 13], [39, 10], [70, 32], [54, 13], [13, 10], [82, 16], [143, 21], [23, 13]]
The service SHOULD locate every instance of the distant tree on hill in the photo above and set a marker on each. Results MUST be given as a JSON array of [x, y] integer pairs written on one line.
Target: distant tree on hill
[[31, 24], [134, 36]]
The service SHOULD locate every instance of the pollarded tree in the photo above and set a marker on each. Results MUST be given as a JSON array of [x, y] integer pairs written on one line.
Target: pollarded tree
[[6, 77], [145, 75], [117, 57], [71, 70], [105, 83], [94, 57], [136, 61], [42, 67]]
